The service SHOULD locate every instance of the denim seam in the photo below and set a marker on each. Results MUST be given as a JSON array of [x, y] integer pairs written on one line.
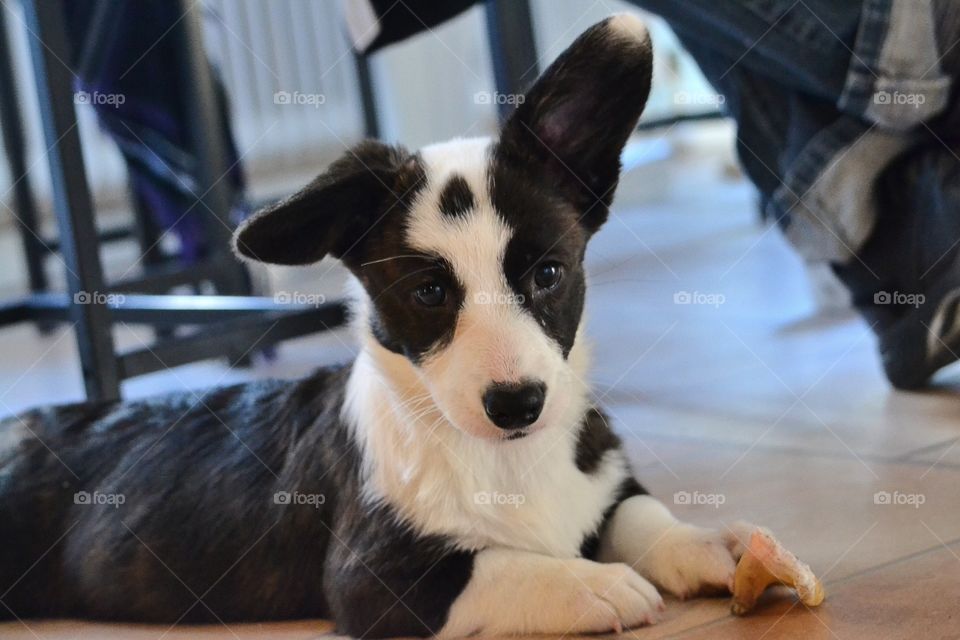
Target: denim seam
[[867, 48]]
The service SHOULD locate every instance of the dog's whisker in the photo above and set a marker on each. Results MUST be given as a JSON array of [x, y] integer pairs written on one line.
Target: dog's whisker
[[423, 413], [413, 401], [422, 256]]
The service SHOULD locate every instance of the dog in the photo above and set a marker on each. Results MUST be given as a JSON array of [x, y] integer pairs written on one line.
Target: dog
[[453, 480]]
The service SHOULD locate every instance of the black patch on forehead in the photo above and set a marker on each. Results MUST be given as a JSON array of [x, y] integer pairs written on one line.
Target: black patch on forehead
[[456, 199]]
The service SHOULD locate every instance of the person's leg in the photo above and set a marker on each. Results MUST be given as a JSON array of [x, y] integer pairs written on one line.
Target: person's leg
[[776, 64], [906, 280], [869, 180], [781, 67], [766, 111], [804, 46]]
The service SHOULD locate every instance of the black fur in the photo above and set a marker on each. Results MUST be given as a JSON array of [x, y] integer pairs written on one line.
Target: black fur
[[545, 229], [456, 199], [335, 213], [568, 133], [200, 518], [198, 476], [357, 211], [556, 166], [596, 438], [398, 322], [400, 584]]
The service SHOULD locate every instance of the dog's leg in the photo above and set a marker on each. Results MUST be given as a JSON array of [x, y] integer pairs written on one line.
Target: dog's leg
[[516, 592], [678, 557]]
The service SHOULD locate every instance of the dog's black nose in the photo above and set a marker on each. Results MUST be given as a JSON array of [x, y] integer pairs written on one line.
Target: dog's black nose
[[514, 405]]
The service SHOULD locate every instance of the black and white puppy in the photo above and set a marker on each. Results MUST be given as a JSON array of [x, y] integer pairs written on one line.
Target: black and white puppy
[[455, 479]]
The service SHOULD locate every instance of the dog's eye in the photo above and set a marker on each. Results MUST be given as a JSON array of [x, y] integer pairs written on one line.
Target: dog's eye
[[430, 294], [547, 275]]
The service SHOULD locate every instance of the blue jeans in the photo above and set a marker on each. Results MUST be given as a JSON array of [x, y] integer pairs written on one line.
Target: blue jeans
[[829, 97]]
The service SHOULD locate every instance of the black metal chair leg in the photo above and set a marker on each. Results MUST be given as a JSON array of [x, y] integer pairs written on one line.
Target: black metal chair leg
[[513, 49], [73, 206], [368, 98], [14, 145]]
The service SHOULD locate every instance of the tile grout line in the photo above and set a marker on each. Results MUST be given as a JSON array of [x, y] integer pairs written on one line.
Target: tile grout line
[[907, 458]]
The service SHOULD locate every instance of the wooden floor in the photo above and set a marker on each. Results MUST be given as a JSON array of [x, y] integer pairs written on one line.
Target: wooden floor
[[747, 401]]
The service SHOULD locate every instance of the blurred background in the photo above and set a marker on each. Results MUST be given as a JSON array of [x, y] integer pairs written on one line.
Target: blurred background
[[431, 87]]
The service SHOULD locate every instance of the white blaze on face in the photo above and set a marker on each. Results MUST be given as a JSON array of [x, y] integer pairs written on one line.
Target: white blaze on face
[[494, 340]]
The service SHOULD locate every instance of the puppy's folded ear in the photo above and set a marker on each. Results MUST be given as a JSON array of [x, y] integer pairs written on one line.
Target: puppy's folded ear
[[332, 214], [575, 120]]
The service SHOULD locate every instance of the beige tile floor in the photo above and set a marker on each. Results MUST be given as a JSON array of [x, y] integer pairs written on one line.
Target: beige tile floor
[[778, 409]]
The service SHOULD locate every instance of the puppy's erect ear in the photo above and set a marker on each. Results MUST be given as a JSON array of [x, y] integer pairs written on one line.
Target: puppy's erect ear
[[331, 214], [575, 121]]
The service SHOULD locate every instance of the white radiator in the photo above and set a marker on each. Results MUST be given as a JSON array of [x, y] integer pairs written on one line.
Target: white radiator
[[289, 70]]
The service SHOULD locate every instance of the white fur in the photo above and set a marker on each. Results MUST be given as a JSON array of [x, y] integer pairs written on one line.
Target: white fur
[[629, 26], [681, 558], [513, 592]]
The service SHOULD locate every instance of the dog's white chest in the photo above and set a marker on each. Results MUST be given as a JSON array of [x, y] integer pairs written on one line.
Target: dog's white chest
[[543, 504], [525, 495]]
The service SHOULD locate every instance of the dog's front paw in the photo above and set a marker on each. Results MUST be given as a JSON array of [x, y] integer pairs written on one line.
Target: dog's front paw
[[608, 597], [688, 560]]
